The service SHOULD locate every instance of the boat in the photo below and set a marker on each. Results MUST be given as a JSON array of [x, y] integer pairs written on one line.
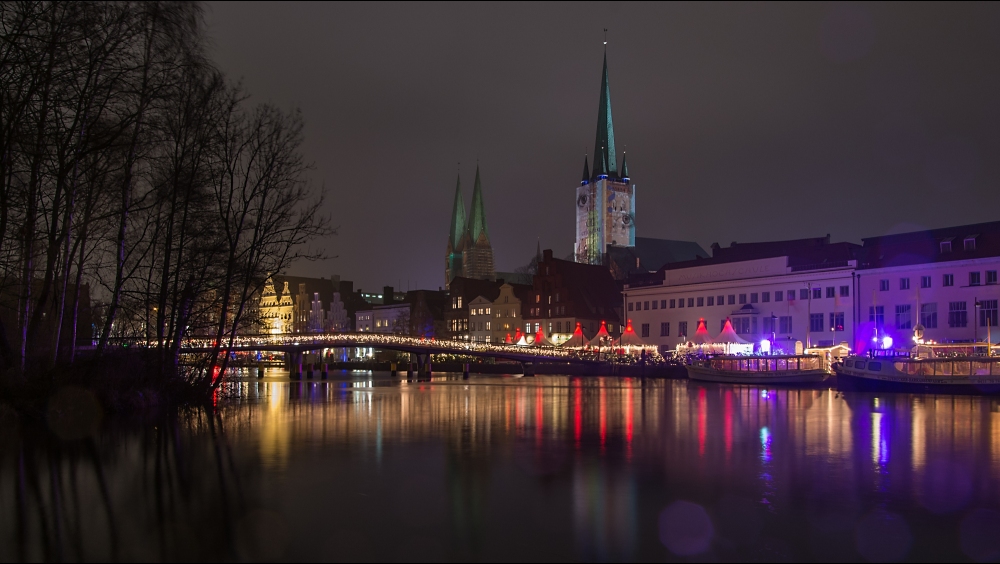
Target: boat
[[922, 370], [769, 369]]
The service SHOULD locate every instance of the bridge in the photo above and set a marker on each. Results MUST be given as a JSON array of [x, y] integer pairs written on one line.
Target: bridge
[[296, 346]]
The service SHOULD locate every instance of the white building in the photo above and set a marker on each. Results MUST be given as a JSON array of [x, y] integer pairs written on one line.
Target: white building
[[785, 291], [943, 279], [481, 320], [393, 318], [364, 320]]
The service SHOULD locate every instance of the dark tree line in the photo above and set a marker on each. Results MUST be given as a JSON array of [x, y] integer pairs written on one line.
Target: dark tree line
[[131, 166]]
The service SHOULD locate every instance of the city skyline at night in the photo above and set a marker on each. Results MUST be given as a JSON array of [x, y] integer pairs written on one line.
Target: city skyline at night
[[745, 122]]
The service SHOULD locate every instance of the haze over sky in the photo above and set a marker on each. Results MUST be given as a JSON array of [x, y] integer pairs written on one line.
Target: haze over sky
[[742, 122]]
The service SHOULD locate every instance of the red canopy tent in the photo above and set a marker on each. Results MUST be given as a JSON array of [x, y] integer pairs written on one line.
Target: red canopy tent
[[578, 340], [508, 340], [602, 338], [540, 340], [701, 336], [630, 339]]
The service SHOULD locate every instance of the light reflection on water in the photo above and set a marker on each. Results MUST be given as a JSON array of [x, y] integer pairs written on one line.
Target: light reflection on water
[[556, 468]]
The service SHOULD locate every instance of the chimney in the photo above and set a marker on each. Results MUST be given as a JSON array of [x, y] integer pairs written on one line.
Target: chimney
[[387, 295], [546, 255]]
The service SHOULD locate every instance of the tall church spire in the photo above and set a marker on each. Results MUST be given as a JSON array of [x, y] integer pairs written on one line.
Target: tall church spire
[[605, 142], [457, 231], [477, 214]]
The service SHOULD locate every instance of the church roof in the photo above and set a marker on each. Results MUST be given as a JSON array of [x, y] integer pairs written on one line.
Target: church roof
[[477, 215], [604, 146], [457, 217]]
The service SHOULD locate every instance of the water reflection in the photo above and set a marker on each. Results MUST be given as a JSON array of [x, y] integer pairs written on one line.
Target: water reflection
[[376, 468]]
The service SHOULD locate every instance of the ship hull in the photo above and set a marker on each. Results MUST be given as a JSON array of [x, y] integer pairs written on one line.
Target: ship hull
[[703, 374], [847, 381]]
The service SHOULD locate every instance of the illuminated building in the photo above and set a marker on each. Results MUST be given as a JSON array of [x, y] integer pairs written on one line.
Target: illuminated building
[[469, 253], [509, 309], [566, 293], [605, 201], [944, 280], [462, 291], [605, 210], [792, 290]]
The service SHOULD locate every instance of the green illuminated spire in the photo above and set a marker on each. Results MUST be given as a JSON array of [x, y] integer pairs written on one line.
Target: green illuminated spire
[[624, 173], [477, 214], [457, 218], [605, 130]]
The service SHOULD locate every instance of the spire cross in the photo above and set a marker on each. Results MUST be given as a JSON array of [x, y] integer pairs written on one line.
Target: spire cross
[[605, 36]]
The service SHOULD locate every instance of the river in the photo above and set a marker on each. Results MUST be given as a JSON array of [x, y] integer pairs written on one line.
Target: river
[[374, 467]]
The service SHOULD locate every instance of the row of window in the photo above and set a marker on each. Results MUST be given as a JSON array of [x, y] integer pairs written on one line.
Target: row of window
[[975, 279], [753, 297], [481, 311], [559, 327], [537, 311], [748, 325], [958, 315]]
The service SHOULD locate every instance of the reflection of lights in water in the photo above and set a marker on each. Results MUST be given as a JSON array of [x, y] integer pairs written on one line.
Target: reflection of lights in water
[[918, 441], [765, 444], [880, 441]]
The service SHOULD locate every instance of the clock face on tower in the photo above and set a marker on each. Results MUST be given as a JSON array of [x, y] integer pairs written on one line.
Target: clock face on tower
[[581, 202]]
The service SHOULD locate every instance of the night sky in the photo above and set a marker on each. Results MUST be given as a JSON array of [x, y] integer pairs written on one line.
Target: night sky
[[742, 122]]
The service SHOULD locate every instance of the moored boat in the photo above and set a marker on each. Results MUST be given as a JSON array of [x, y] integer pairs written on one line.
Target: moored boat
[[902, 371], [777, 369]]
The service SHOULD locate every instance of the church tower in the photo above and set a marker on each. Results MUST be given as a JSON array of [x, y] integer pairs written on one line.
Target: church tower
[[477, 256], [456, 237], [605, 201]]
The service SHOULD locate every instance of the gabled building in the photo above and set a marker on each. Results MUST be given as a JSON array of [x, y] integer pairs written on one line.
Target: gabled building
[[565, 293], [462, 291]]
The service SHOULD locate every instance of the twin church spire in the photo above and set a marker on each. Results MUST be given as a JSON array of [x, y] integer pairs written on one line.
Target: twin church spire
[[469, 253]]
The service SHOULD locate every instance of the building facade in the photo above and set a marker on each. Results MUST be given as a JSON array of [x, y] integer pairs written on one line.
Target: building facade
[[605, 199], [508, 311], [469, 253], [565, 293], [785, 291], [462, 291], [481, 320], [940, 283]]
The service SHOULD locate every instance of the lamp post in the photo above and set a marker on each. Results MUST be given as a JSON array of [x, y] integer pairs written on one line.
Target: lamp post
[[774, 330], [975, 326]]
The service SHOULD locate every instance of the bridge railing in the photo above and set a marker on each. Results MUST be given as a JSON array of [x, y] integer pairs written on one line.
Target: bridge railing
[[369, 340]]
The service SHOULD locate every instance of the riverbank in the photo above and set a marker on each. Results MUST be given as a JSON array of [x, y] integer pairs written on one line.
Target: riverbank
[[124, 382]]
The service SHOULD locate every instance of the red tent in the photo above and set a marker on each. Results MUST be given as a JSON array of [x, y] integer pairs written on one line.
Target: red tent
[[508, 340], [540, 340], [578, 339], [602, 338], [629, 338], [701, 336]]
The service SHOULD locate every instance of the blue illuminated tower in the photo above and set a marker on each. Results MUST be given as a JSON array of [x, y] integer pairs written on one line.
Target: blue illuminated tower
[[605, 201]]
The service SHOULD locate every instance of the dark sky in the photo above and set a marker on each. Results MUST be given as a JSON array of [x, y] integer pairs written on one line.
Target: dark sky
[[743, 122]]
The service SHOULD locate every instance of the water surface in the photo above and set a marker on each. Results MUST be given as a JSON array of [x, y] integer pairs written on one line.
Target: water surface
[[500, 468]]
